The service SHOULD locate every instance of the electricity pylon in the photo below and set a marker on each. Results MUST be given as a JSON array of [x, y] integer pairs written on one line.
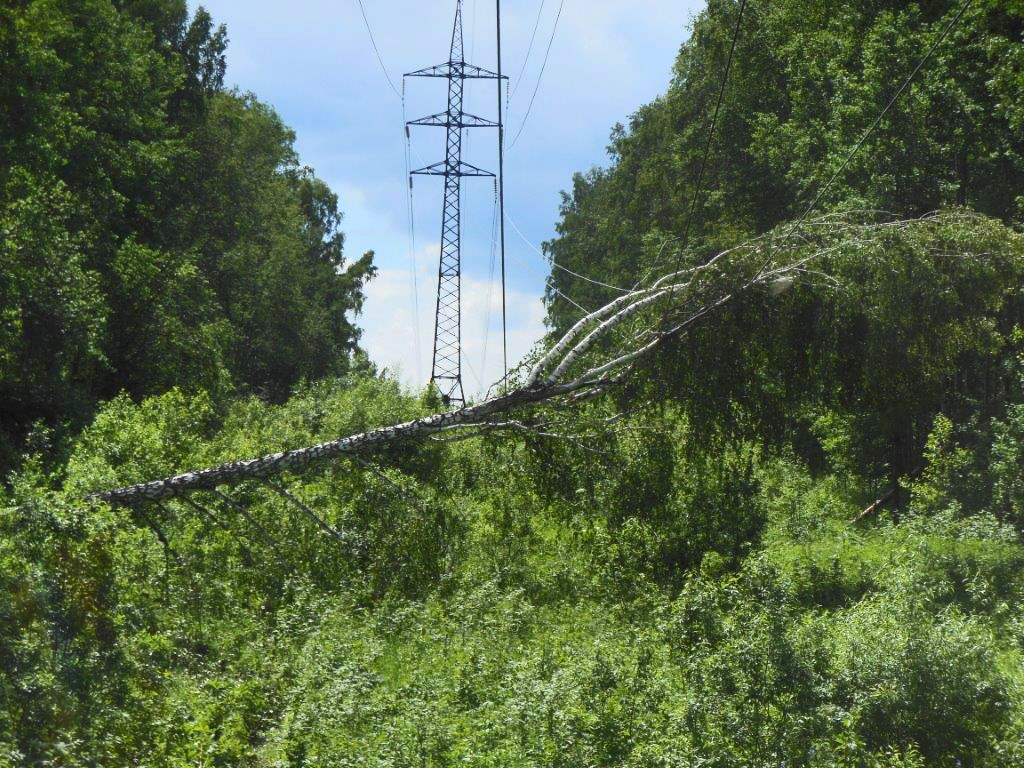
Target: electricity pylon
[[446, 373]]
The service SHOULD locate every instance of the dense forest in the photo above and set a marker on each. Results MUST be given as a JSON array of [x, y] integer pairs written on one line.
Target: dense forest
[[793, 537], [158, 230]]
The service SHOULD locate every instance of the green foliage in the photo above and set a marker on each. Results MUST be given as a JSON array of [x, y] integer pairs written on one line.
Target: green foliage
[[889, 333], [666, 576], [653, 602], [809, 78], [856, 344], [1008, 466], [157, 230], [53, 315]]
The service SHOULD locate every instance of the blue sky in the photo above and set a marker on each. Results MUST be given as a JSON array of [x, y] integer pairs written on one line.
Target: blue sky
[[313, 61]]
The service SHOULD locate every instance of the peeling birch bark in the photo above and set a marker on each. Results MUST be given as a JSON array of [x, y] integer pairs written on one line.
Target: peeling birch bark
[[680, 298]]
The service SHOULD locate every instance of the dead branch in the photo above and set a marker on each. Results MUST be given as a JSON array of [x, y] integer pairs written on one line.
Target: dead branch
[[886, 497]]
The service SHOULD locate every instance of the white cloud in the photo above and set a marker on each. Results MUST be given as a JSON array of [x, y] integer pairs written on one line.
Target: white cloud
[[390, 335]]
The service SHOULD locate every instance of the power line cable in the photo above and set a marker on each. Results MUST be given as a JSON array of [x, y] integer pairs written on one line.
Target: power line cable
[[698, 190], [472, 35], [576, 304], [472, 58], [376, 50], [529, 49], [878, 120], [490, 280], [411, 217], [479, 382], [500, 209], [556, 265], [540, 77], [704, 160], [553, 289]]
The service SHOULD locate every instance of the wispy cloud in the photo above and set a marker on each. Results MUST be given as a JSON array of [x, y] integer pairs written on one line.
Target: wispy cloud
[[390, 320]]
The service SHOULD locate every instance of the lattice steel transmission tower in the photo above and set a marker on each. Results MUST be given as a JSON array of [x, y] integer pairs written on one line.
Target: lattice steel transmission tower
[[446, 373]]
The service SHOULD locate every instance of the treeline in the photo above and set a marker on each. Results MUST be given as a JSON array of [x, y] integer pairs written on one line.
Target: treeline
[[156, 229], [808, 80], [904, 339]]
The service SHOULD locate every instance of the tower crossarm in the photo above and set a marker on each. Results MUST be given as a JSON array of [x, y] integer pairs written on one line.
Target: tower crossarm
[[443, 169], [457, 69], [444, 120]]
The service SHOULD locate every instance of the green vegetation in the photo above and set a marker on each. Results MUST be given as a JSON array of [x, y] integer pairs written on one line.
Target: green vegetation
[[671, 575], [810, 77], [157, 230]]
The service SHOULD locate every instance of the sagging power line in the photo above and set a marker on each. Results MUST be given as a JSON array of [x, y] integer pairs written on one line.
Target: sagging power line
[[881, 115], [376, 50], [540, 77], [529, 48]]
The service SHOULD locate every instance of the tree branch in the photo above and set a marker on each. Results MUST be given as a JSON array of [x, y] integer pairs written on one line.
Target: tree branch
[[578, 370]]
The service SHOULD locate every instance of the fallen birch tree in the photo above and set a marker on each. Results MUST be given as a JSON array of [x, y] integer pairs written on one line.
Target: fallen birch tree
[[598, 352]]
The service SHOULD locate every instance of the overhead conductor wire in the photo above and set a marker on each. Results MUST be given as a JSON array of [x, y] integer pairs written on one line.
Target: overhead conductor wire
[[529, 49], [408, 178], [704, 160], [501, 201], [540, 77], [698, 190], [376, 50], [490, 280], [411, 216], [878, 120]]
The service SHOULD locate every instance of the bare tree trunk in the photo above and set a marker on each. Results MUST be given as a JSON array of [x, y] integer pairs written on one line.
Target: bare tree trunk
[[572, 370]]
